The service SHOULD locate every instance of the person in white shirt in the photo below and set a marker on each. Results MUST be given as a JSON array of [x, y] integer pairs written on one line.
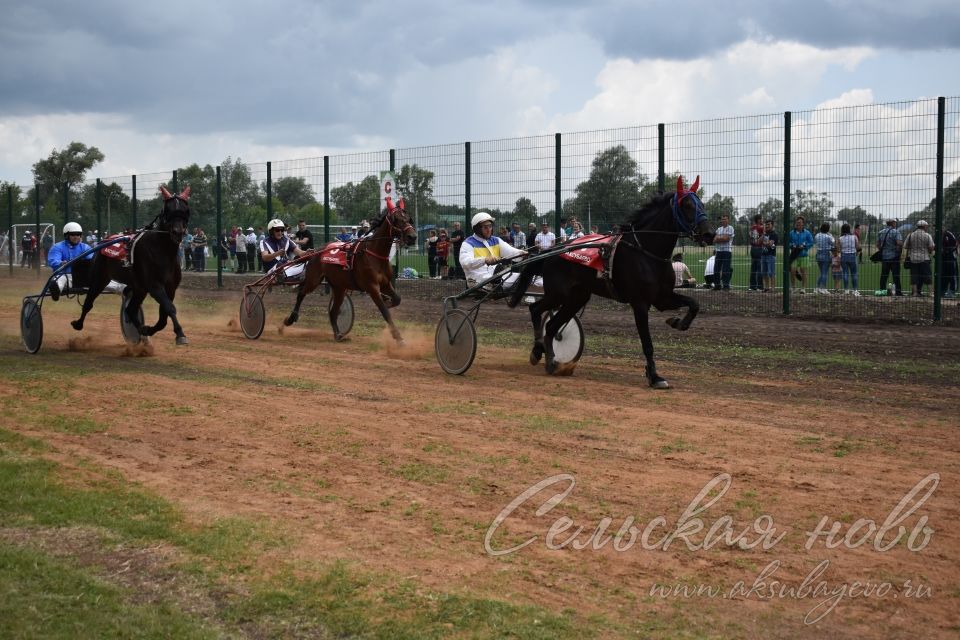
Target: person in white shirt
[[545, 239], [723, 242], [682, 278], [709, 279], [577, 231]]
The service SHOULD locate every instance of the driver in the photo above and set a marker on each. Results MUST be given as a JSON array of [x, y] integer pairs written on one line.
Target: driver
[[480, 252], [64, 251], [277, 248]]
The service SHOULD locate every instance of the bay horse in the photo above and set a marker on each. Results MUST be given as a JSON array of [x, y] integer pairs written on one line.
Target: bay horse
[[370, 270], [154, 267], [640, 274]]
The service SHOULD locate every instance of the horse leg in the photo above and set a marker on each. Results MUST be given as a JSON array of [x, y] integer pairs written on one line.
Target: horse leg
[[640, 311], [536, 318], [374, 293], [574, 302], [310, 282], [159, 293], [99, 280], [338, 296], [675, 301], [387, 287]]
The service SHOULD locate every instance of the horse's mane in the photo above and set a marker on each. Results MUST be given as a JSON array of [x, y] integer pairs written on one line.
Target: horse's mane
[[656, 203]]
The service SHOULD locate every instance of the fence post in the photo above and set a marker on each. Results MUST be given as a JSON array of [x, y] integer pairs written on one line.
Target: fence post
[[326, 199], [216, 253], [661, 159], [269, 192], [466, 190], [10, 239], [785, 242], [557, 173], [36, 230], [98, 205], [173, 183], [66, 202], [133, 205], [938, 223]]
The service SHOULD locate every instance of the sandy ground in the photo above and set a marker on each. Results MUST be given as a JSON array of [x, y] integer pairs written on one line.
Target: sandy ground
[[367, 452]]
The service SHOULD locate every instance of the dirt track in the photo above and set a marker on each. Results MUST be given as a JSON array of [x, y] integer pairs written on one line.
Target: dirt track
[[370, 453]]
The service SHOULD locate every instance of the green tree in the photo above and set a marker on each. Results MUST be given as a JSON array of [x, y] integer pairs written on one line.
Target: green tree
[[239, 194], [612, 188], [292, 191], [525, 210], [66, 166], [359, 201], [814, 207], [203, 194], [719, 205]]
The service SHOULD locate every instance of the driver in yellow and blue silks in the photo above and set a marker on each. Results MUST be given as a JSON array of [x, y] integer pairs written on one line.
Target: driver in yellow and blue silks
[[480, 252]]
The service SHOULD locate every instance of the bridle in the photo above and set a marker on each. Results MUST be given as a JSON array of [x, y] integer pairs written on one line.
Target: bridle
[[398, 224]]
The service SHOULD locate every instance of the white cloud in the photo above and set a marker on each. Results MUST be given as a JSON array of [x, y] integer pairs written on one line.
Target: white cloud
[[757, 98]]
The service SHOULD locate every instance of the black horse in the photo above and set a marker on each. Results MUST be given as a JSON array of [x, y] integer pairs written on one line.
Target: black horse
[[640, 274], [154, 267]]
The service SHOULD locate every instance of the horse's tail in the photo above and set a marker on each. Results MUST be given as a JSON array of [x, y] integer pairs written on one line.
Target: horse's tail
[[527, 274]]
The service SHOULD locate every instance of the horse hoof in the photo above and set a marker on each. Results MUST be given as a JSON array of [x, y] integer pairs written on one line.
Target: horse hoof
[[674, 322], [536, 354], [182, 340], [290, 320], [659, 383], [551, 367], [76, 324]]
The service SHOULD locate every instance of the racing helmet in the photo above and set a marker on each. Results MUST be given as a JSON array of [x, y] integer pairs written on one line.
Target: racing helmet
[[275, 223], [479, 218], [72, 227]]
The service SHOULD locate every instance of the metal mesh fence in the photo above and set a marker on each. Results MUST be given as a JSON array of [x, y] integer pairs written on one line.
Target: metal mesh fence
[[859, 166]]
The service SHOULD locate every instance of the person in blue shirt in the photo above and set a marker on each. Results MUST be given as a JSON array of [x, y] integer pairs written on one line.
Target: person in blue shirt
[[800, 242], [64, 251]]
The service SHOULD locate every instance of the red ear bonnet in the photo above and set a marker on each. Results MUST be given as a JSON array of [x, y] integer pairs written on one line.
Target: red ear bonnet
[[166, 194], [679, 184], [185, 194], [696, 185]]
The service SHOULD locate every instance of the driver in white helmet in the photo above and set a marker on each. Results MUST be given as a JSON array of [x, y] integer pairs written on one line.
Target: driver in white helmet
[[480, 252], [277, 248], [64, 251]]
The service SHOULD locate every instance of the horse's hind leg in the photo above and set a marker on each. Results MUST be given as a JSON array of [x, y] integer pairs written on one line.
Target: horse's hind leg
[[165, 301], [98, 282], [640, 315], [310, 282], [564, 314], [338, 296], [536, 318]]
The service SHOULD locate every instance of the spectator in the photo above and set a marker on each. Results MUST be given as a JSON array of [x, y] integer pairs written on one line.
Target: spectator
[[849, 251], [199, 250], [856, 233], [517, 237], [836, 270], [251, 241], [531, 235], [240, 250], [577, 231], [595, 230], [431, 243], [26, 249], [232, 248], [303, 237], [948, 278], [890, 244], [344, 235], [223, 249], [919, 247], [545, 239], [456, 240], [443, 252], [723, 243], [825, 244], [800, 242], [504, 234], [261, 236], [46, 243], [187, 248], [682, 278], [70, 248], [768, 256], [709, 276], [756, 251]]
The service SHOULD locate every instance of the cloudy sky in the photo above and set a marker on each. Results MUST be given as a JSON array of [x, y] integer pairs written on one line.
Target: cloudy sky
[[160, 85]]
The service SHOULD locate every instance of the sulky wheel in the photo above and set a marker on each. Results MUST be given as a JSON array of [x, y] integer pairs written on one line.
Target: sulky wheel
[[31, 325], [455, 342], [568, 343], [129, 330], [252, 315], [345, 317]]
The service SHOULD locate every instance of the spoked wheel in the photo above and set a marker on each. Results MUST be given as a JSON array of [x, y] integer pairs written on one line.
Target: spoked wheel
[[129, 330], [568, 343], [455, 342], [31, 325], [345, 317], [252, 315]]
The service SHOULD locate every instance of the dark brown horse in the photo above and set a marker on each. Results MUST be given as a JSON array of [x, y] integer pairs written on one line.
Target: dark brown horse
[[370, 270]]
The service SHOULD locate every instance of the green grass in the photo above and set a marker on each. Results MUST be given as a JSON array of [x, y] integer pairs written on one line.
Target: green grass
[[61, 597]]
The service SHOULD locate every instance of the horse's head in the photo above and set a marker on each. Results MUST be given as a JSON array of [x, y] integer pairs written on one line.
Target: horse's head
[[175, 214], [689, 214], [399, 221]]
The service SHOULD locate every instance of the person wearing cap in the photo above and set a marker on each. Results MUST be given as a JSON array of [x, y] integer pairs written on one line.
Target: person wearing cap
[[64, 251], [239, 241], [481, 252], [277, 248], [26, 249], [250, 238], [919, 247], [890, 244]]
